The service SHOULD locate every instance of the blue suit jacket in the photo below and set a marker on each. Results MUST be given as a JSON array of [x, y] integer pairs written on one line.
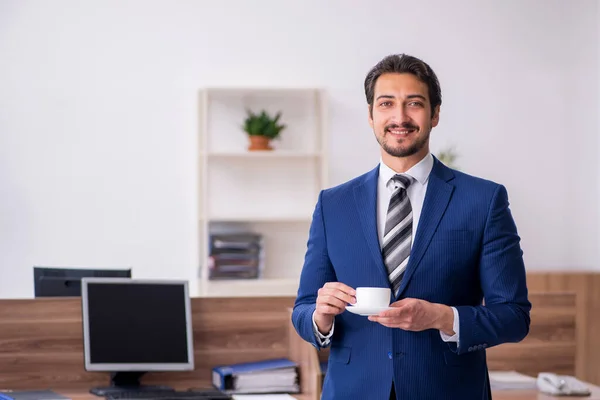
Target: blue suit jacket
[[466, 251]]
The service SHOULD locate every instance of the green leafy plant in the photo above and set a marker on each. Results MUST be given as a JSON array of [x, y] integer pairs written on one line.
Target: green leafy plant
[[263, 124], [448, 157]]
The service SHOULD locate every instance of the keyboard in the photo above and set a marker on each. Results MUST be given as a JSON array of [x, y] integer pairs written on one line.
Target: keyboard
[[197, 394]]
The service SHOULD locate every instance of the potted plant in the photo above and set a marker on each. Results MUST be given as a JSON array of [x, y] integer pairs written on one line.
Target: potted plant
[[448, 157], [261, 129]]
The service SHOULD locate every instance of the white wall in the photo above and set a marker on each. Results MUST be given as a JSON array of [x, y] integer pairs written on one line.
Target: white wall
[[98, 118]]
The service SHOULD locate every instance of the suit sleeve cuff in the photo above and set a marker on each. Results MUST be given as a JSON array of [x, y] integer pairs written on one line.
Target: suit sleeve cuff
[[323, 340], [455, 328]]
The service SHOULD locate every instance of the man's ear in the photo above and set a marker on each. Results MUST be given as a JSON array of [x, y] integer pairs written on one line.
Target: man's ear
[[370, 111], [435, 118]]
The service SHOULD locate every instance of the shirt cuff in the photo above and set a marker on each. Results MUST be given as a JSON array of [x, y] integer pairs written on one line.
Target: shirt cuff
[[323, 340], [455, 328]]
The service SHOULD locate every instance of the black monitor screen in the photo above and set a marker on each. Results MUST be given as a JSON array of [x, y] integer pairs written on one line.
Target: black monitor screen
[[136, 323], [66, 282]]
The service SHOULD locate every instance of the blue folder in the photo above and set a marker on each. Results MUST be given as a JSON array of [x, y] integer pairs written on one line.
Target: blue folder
[[223, 376], [30, 395]]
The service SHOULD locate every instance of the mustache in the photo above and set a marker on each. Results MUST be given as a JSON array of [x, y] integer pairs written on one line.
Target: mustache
[[405, 125]]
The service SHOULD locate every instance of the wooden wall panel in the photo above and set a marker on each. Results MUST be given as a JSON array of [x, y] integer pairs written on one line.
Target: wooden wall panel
[[41, 340], [532, 359], [587, 286], [551, 342], [305, 355]]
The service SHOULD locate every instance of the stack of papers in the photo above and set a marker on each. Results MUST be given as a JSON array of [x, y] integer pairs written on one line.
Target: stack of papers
[[275, 381], [511, 380]]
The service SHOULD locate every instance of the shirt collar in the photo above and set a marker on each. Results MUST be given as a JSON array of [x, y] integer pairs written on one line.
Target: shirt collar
[[420, 171]]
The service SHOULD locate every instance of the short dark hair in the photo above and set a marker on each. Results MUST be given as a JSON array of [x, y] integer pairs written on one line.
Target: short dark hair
[[402, 63]]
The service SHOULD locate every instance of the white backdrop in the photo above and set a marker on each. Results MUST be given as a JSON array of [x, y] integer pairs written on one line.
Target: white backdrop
[[98, 114]]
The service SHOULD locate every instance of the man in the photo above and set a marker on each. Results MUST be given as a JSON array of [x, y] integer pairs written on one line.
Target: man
[[444, 242]]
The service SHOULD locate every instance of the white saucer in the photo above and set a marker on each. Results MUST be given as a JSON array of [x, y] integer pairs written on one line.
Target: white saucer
[[364, 311]]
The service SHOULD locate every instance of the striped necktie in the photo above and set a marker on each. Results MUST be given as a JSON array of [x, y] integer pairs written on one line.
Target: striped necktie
[[397, 237]]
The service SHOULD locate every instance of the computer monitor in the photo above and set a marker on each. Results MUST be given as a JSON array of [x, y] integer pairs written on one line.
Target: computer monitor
[[132, 326], [66, 282]]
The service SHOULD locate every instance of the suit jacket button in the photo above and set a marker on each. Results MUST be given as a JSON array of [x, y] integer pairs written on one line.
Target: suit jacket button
[[390, 355], [470, 349]]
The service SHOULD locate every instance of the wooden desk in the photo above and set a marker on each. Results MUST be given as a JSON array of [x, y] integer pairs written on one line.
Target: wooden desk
[[535, 395], [497, 395], [41, 341], [83, 394]]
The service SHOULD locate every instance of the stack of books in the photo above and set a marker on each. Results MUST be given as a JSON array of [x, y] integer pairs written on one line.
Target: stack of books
[[236, 256], [269, 376]]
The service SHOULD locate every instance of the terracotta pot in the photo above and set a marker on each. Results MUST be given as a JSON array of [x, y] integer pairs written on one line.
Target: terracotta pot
[[259, 143]]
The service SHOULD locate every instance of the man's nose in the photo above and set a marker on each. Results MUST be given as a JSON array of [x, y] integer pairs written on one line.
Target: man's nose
[[401, 115]]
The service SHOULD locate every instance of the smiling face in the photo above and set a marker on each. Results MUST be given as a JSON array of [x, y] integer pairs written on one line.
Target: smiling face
[[401, 118]]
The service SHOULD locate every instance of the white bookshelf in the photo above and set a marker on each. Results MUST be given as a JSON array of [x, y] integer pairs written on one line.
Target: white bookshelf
[[262, 154], [272, 193], [248, 287]]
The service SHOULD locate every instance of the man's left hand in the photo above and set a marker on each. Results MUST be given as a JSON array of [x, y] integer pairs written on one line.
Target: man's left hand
[[417, 315]]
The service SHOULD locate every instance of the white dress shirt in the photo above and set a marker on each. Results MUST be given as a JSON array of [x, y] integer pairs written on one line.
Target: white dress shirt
[[416, 194]]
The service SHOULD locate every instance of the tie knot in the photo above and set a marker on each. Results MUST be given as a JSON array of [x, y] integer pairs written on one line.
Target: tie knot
[[403, 180]]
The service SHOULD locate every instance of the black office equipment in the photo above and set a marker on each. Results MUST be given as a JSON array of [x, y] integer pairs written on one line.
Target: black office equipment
[[132, 326], [66, 282]]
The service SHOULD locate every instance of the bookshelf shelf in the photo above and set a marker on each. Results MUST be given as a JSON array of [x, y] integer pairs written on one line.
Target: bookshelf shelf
[[247, 287], [252, 91], [269, 193], [260, 218], [246, 155]]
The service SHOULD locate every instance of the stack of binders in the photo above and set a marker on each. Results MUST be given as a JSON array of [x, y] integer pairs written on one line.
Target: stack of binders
[[270, 376]]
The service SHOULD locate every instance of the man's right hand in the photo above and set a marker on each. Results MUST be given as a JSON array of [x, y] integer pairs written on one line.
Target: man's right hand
[[332, 299]]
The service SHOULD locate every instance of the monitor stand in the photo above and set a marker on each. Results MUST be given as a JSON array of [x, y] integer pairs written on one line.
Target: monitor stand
[[127, 381]]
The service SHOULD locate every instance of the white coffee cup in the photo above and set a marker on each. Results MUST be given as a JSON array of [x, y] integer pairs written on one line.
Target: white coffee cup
[[372, 297]]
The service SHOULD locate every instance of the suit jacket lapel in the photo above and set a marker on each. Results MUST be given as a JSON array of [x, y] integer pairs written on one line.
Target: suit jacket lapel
[[365, 196], [438, 195]]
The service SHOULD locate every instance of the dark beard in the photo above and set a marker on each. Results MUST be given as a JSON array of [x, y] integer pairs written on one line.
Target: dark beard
[[403, 151]]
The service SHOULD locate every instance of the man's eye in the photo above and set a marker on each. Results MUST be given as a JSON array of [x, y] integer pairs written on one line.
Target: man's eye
[[386, 103], [415, 104]]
